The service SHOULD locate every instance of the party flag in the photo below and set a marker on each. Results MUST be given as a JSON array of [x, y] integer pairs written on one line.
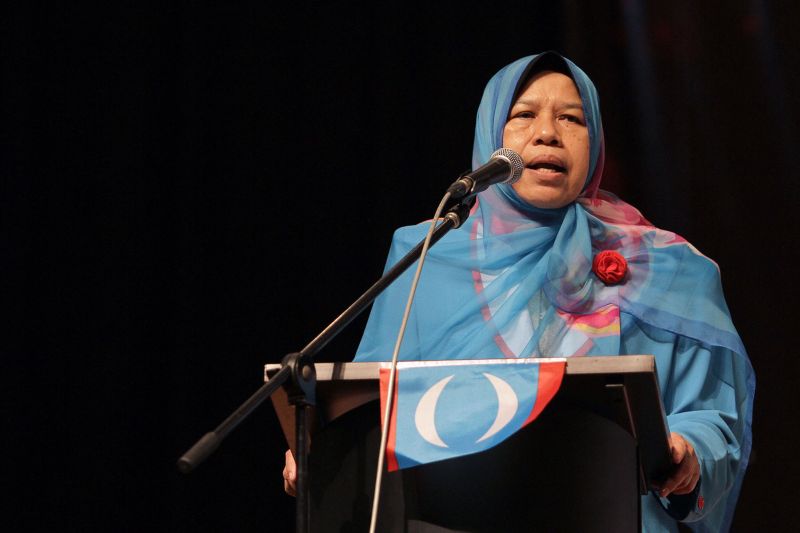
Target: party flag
[[446, 409]]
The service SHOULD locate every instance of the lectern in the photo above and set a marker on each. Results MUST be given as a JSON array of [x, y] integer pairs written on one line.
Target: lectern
[[580, 466]]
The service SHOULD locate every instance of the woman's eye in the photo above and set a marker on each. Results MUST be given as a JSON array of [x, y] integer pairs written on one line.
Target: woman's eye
[[524, 114], [572, 118]]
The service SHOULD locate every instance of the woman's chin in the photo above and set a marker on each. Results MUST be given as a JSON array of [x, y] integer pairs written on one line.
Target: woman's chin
[[547, 189], [544, 196]]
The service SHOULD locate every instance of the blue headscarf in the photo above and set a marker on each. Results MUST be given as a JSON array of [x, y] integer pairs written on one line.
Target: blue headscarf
[[520, 281]]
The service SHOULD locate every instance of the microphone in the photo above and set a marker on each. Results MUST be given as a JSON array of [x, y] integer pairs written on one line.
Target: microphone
[[504, 166]]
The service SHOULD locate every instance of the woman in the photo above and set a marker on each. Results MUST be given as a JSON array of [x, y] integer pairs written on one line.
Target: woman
[[553, 266]]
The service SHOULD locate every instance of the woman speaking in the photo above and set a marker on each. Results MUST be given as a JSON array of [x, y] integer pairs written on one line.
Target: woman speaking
[[553, 266]]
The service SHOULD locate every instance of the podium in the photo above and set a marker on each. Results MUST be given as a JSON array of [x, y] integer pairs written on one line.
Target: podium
[[582, 465]]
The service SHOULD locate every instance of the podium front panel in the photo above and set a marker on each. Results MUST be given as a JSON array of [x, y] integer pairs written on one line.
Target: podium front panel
[[577, 467]]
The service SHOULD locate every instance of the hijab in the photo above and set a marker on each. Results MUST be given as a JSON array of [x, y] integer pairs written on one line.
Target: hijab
[[517, 281]]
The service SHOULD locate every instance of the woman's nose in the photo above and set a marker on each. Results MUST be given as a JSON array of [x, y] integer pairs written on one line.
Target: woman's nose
[[545, 132]]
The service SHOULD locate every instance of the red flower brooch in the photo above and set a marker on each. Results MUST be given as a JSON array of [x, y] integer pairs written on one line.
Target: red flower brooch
[[609, 266]]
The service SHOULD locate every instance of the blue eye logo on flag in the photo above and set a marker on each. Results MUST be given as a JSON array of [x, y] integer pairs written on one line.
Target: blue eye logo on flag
[[446, 409]]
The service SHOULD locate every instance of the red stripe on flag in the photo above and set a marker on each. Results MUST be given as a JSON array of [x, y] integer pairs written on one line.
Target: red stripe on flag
[[550, 376], [391, 440]]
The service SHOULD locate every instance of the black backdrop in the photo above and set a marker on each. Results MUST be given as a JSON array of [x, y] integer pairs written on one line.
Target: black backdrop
[[190, 192]]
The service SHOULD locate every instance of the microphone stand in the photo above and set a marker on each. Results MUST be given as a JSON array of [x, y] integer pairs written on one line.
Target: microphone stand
[[298, 375]]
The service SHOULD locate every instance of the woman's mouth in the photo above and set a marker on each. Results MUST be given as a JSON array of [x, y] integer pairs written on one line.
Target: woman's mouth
[[547, 165], [547, 168]]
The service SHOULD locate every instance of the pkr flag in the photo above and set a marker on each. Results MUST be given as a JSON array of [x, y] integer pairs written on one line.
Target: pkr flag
[[446, 409]]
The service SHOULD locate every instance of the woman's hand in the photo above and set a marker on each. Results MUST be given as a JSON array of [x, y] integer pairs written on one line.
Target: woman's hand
[[687, 468], [290, 475]]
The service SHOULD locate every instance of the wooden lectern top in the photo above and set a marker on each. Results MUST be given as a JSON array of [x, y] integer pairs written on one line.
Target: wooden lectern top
[[623, 389]]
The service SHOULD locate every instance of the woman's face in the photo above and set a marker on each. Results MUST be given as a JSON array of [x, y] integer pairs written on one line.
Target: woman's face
[[547, 128]]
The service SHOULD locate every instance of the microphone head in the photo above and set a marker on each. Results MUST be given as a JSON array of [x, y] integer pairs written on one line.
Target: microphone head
[[514, 159]]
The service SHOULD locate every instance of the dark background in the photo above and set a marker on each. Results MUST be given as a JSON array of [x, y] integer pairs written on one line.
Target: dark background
[[189, 192]]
